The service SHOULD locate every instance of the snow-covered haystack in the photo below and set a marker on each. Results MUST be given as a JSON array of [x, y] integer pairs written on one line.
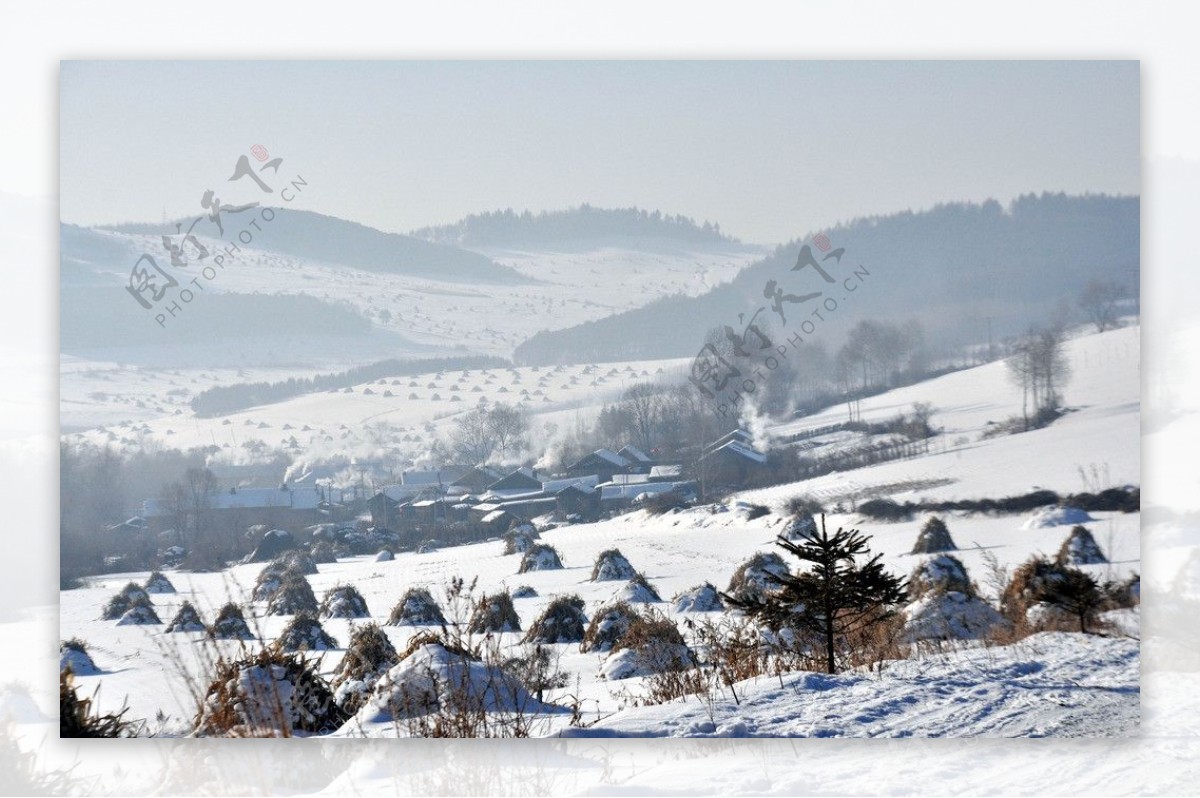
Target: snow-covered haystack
[[385, 555], [701, 598], [299, 561], [1080, 548], [187, 619], [140, 613], [344, 601], [638, 590], [494, 613], [540, 558], [652, 644], [1056, 516], [268, 581], [1022, 599], [294, 597], [272, 545], [369, 656], [230, 624], [304, 633], [934, 537], [271, 693], [416, 608], [158, 583], [943, 573], [450, 682], [753, 577], [73, 654], [612, 566], [608, 624], [323, 552], [800, 527], [562, 621], [524, 591], [945, 603], [520, 539], [119, 604]]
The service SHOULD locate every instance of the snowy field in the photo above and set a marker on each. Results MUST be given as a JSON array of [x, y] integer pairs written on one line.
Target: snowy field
[[150, 670]]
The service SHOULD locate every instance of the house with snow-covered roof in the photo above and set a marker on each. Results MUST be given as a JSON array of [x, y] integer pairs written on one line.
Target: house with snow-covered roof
[[602, 462]]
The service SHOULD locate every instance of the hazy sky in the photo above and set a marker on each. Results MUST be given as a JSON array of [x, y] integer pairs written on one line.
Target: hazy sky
[[771, 150]]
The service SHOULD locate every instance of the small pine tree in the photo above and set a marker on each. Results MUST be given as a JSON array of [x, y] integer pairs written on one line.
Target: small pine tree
[[1076, 593], [836, 597]]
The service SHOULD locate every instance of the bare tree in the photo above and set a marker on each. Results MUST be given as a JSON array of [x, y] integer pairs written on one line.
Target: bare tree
[[1099, 301], [508, 426], [480, 433]]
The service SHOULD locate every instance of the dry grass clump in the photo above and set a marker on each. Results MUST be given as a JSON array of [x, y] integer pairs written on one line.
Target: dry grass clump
[[934, 537], [187, 619], [368, 657], [230, 624], [540, 557], [494, 613], [563, 621], [344, 601], [416, 607], [304, 633], [612, 566], [607, 626], [271, 693], [77, 717], [294, 597]]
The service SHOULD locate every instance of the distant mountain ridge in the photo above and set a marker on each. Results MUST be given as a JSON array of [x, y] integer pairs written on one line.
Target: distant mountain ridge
[[962, 269], [509, 228], [319, 237]]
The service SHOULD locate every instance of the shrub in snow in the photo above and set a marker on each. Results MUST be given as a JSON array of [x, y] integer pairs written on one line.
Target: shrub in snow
[[344, 601], [611, 566], [752, 578], [294, 597], [943, 573], [323, 552], [428, 546], [272, 545], [230, 624], [270, 693], [1125, 593], [416, 608], [607, 626], [73, 655], [701, 598], [140, 613], [304, 633], [369, 656], [440, 690], [540, 558], [158, 583], [524, 591], [385, 555], [883, 510], [562, 621], [494, 613], [934, 537], [803, 506], [651, 644], [1056, 516], [187, 619], [638, 591], [1080, 548]]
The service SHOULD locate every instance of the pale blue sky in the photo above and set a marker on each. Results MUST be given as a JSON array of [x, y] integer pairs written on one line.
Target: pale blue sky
[[771, 150]]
